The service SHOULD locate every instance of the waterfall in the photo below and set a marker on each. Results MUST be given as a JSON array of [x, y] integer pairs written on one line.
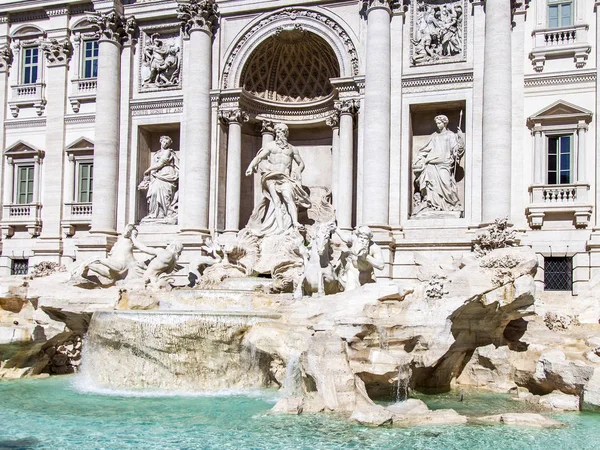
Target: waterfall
[[404, 376], [173, 350], [292, 385]]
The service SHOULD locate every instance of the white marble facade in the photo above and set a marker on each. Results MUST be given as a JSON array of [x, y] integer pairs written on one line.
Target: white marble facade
[[90, 87]]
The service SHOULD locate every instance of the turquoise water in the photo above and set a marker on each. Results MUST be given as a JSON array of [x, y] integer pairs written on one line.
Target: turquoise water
[[54, 414]]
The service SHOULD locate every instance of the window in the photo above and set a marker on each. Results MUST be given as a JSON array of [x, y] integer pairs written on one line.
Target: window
[[559, 159], [560, 13], [90, 59], [30, 65], [24, 185], [558, 274], [19, 267], [85, 182]]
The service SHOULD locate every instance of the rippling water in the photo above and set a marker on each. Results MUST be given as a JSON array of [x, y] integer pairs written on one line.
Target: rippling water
[[55, 414]]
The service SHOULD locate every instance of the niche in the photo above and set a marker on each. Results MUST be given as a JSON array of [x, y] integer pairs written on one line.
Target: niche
[[438, 159]]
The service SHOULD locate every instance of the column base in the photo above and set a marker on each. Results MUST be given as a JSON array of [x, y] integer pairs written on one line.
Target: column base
[[47, 249]]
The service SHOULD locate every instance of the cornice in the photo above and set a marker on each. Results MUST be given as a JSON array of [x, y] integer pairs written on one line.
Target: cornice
[[558, 79]]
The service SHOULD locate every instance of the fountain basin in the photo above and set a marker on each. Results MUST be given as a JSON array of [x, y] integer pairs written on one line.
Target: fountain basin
[[174, 350]]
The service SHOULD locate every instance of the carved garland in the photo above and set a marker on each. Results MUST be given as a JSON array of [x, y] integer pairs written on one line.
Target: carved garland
[[292, 14]]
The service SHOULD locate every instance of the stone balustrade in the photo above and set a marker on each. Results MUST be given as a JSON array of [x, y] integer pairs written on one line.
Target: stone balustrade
[[75, 213], [27, 216], [560, 42], [557, 199], [27, 95], [82, 90]]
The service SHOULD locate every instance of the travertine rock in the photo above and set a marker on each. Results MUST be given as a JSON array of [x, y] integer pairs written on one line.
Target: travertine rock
[[560, 402], [591, 392], [520, 420], [428, 419]]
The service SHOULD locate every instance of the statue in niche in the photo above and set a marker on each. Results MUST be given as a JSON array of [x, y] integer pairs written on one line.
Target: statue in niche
[[357, 263], [161, 183], [281, 185], [435, 170], [163, 63], [438, 31]]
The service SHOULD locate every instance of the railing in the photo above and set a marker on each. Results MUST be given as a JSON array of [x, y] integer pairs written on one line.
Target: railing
[[560, 36], [556, 200], [559, 193], [21, 213], [85, 85], [76, 211], [27, 91], [564, 42]]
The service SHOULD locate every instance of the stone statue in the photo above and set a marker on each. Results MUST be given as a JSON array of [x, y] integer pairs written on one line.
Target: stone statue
[[120, 260], [211, 254], [438, 31], [357, 264], [281, 186], [435, 168], [318, 276], [162, 62], [163, 263], [161, 181]]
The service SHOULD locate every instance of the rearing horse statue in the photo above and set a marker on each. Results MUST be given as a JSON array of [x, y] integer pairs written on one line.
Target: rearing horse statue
[[319, 275]]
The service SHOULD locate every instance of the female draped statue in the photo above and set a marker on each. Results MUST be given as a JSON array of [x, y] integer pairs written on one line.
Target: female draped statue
[[161, 183], [434, 168]]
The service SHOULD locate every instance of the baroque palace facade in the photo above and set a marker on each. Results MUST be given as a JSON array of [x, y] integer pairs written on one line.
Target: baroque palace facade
[[423, 119]]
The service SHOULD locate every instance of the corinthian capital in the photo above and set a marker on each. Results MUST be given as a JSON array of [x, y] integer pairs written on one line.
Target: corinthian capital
[[267, 126], [58, 53], [113, 26], [6, 57], [333, 121], [369, 5], [349, 106], [229, 116], [198, 15]]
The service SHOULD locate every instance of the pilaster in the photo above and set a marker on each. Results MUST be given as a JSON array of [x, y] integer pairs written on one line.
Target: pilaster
[[347, 110], [333, 122]]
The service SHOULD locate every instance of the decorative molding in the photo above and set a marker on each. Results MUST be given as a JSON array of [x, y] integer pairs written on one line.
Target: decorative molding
[[28, 16], [80, 119], [60, 10], [157, 107], [349, 106], [428, 82], [161, 61], [290, 15], [58, 53], [25, 123], [553, 80], [267, 127], [6, 57], [200, 15], [333, 121], [113, 26]]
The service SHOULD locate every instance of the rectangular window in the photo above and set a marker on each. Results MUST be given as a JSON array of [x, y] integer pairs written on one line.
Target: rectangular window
[[24, 185], [558, 274], [90, 59], [559, 159], [30, 65], [19, 267], [86, 182], [560, 13]]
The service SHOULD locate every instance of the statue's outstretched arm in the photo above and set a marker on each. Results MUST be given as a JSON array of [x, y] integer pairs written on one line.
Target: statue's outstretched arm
[[262, 154], [375, 257], [142, 247]]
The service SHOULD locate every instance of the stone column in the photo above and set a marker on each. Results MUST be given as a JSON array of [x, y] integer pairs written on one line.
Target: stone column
[[333, 122], [113, 29], [58, 54], [198, 22], [497, 113], [37, 166], [268, 135], [234, 120], [376, 159], [539, 156], [582, 128], [6, 58], [347, 109]]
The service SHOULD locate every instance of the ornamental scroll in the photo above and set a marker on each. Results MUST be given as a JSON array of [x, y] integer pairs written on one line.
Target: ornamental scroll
[[438, 32]]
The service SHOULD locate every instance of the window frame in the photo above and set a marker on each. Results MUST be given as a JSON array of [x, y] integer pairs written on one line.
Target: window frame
[[569, 259], [79, 162], [559, 169], [19, 167], [25, 65], [559, 4], [85, 40]]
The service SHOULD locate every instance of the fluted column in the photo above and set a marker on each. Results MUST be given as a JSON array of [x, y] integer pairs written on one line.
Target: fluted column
[[376, 176], [113, 29], [233, 119], [347, 109], [333, 122], [198, 22], [497, 113], [267, 132]]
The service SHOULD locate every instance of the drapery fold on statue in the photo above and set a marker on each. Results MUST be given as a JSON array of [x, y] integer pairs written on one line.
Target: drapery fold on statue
[[263, 221]]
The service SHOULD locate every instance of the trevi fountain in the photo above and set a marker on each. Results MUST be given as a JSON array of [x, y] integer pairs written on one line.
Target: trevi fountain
[[284, 334]]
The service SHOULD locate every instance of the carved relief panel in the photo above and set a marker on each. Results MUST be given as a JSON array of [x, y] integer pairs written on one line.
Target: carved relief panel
[[160, 61], [438, 32]]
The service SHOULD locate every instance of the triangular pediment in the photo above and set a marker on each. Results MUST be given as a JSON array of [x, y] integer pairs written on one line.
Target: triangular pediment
[[561, 111], [80, 145], [22, 149]]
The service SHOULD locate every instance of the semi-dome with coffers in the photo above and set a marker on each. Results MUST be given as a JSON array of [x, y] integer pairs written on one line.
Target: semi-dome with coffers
[[292, 66]]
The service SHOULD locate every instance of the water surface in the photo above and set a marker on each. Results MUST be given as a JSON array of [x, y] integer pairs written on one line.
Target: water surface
[[55, 414]]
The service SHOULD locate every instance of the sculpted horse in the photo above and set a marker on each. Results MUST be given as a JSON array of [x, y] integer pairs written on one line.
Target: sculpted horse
[[319, 275]]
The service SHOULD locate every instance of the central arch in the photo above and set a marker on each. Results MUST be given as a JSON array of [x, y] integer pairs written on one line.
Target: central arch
[[340, 41]]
